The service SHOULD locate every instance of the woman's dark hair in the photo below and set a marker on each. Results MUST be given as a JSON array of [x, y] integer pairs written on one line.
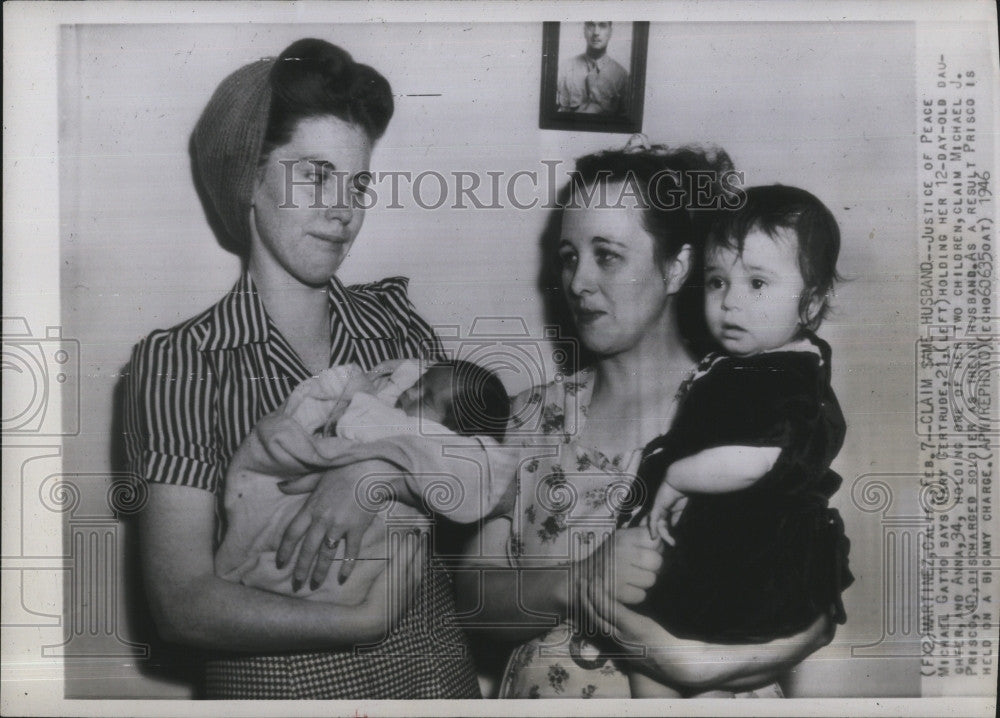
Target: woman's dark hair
[[666, 181], [674, 188], [776, 208], [256, 109], [314, 78], [480, 405]]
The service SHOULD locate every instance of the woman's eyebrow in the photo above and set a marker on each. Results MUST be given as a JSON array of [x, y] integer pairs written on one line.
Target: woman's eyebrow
[[319, 163], [598, 239]]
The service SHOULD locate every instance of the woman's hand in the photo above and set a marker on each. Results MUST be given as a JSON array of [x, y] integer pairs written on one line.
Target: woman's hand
[[608, 614], [627, 562], [331, 514], [192, 606]]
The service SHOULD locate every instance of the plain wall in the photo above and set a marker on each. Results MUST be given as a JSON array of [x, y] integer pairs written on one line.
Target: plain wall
[[827, 107]]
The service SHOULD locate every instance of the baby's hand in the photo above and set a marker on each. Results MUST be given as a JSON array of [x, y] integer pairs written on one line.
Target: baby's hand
[[667, 506], [322, 398], [394, 376]]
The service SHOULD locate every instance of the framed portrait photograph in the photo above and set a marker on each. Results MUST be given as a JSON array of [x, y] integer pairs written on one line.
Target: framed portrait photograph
[[593, 75]]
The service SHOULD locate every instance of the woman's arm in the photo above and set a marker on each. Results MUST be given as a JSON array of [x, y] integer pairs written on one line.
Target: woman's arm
[[192, 606], [462, 478], [695, 665], [519, 603], [478, 471], [509, 604]]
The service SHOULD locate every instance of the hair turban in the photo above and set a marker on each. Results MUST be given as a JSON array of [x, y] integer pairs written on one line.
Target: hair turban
[[227, 145]]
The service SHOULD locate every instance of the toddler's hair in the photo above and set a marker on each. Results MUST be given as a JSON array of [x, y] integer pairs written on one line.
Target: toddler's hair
[[479, 405], [773, 208]]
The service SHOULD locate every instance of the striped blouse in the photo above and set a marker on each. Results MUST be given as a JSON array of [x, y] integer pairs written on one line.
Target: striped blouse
[[197, 390], [194, 392]]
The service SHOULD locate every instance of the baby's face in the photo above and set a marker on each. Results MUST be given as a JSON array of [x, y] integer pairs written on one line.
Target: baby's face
[[429, 398], [752, 299]]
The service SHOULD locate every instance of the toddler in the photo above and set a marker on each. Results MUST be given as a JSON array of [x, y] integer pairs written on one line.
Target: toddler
[[758, 554], [450, 398]]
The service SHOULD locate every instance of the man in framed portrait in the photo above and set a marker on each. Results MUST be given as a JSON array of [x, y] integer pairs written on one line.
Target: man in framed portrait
[[592, 82]]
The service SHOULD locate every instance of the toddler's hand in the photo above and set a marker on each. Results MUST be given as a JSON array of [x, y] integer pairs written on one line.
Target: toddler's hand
[[667, 507]]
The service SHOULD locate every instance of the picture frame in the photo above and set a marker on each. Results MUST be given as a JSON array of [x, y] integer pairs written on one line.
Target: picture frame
[[567, 99]]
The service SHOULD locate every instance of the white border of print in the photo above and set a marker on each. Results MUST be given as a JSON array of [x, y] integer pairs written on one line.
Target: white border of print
[[31, 289]]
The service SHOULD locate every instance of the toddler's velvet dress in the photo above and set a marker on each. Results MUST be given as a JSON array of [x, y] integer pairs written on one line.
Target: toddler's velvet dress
[[763, 562]]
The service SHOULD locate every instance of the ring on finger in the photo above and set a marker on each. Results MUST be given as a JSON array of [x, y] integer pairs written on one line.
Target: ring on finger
[[330, 542]]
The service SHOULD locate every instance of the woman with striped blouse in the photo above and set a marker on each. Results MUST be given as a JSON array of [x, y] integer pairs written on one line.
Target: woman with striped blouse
[[279, 153]]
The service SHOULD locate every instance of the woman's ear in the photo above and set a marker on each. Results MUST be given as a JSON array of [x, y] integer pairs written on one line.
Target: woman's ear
[[678, 269], [258, 180]]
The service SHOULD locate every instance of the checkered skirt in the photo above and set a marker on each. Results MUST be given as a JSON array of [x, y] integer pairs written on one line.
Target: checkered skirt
[[427, 656]]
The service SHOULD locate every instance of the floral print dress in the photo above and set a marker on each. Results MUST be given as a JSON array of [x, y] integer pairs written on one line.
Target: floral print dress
[[568, 501]]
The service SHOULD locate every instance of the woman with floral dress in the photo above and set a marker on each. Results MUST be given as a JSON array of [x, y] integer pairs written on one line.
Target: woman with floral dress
[[554, 574]]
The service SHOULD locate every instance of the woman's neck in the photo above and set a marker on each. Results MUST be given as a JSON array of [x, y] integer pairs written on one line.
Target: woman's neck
[[649, 374], [301, 313], [634, 393]]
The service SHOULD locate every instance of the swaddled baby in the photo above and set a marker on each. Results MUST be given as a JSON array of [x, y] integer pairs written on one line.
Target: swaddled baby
[[454, 398]]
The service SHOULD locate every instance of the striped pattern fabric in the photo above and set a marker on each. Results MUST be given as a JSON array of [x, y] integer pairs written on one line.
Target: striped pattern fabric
[[194, 392]]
